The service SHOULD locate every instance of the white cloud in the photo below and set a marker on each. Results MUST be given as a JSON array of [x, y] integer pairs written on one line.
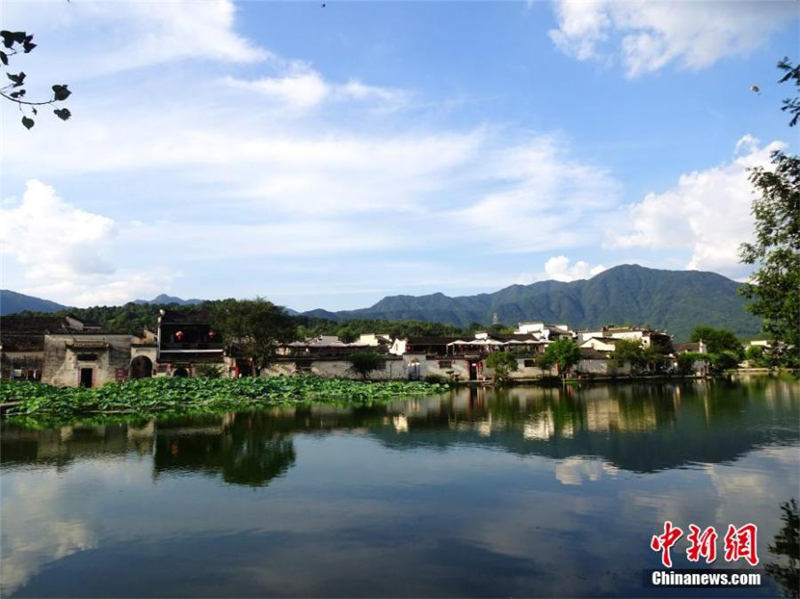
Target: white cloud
[[544, 194], [61, 249], [706, 213], [302, 88], [126, 35], [559, 269], [653, 34], [52, 238]]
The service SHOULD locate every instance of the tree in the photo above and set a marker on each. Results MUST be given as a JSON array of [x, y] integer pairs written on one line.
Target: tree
[[563, 353], [717, 340], [774, 286], [365, 361], [503, 365], [626, 350], [252, 328], [786, 546], [21, 42]]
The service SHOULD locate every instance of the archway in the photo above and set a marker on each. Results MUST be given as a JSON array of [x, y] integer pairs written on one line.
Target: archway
[[181, 373], [141, 367]]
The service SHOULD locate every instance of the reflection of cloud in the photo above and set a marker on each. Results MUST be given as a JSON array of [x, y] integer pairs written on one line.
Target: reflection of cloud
[[32, 533], [575, 470]]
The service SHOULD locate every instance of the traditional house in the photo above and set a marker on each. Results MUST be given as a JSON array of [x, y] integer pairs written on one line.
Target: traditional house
[[22, 346], [548, 332], [85, 359], [661, 341], [186, 340], [599, 344]]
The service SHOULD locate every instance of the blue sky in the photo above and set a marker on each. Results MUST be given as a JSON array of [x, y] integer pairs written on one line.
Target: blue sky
[[326, 157]]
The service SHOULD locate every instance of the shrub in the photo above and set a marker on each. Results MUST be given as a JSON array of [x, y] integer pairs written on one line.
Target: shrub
[[208, 371], [365, 361], [503, 364]]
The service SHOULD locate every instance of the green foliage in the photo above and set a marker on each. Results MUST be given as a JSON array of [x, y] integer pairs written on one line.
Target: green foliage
[[21, 42], [365, 361], [686, 361], [209, 371], [436, 379], [563, 353], [252, 328], [717, 340], [774, 287], [629, 351], [163, 396], [756, 357], [724, 360], [503, 365]]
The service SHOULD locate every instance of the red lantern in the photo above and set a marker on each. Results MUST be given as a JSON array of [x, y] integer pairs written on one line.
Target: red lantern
[[179, 335], [211, 334]]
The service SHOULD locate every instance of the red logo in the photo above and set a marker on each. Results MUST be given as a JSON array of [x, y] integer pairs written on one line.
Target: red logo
[[740, 543]]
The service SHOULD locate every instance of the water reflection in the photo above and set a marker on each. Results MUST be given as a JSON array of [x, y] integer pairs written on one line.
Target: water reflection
[[528, 491], [786, 547]]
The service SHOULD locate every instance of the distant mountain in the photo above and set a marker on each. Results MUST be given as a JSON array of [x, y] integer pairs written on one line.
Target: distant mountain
[[664, 299], [12, 302], [165, 299]]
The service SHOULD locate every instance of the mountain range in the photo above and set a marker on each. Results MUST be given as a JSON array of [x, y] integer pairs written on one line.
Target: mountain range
[[664, 299], [676, 300], [165, 299]]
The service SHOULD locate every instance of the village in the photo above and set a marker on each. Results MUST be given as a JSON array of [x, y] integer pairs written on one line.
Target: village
[[67, 351]]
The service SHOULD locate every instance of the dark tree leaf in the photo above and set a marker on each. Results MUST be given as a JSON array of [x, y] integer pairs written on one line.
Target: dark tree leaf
[[61, 92], [4, 58], [19, 36], [35, 111], [17, 79], [8, 38], [27, 122], [28, 46], [17, 94], [63, 113]]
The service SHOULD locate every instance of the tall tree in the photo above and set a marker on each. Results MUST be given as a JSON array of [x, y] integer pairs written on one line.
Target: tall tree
[[564, 353], [774, 286], [503, 365], [252, 328], [717, 340]]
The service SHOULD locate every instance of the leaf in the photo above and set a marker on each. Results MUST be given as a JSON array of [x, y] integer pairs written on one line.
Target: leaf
[[61, 92], [27, 122], [19, 36], [28, 46], [35, 111], [63, 113], [17, 79], [8, 38], [17, 94], [4, 58]]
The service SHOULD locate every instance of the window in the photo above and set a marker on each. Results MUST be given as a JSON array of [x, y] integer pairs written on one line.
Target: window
[[87, 357], [529, 363], [445, 363]]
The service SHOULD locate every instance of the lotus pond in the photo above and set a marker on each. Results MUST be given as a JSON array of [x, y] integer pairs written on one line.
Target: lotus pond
[[475, 492], [181, 396]]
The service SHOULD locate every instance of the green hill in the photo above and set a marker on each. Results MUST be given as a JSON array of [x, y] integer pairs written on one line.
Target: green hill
[[664, 299]]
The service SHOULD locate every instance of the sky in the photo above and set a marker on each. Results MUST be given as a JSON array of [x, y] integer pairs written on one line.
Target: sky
[[327, 156]]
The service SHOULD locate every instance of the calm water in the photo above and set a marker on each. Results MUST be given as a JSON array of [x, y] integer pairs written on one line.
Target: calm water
[[530, 492]]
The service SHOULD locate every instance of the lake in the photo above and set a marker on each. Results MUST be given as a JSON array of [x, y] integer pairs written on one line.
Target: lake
[[528, 491]]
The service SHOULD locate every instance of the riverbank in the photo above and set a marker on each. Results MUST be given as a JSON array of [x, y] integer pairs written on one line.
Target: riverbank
[[178, 396]]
